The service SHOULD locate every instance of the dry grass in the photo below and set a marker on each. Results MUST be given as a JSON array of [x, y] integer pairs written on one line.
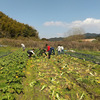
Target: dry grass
[[29, 42]]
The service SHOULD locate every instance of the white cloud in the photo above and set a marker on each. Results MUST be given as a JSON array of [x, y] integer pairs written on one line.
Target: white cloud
[[89, 24], [57, 23], [59, 34]]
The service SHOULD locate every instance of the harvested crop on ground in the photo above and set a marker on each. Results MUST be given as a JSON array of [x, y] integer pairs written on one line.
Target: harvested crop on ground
[[62, 77]]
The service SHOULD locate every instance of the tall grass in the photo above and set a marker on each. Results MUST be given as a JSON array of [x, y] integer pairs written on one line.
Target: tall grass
[[31, 43]]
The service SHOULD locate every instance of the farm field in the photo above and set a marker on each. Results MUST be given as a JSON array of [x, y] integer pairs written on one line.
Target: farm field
[[4, 51], [86, 55], [63, 77]]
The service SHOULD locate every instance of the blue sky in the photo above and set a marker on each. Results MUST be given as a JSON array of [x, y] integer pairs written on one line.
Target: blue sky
[[55, 18]]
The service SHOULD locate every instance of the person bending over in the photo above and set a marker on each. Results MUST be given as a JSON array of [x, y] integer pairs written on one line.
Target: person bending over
[[49, 50], [41, 52], [23, 46], [30, 53]]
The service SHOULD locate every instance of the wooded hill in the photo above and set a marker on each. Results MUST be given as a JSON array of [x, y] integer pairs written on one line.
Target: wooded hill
[[10, 28]]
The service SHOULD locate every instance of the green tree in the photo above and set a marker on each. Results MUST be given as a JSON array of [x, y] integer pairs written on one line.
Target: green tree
[[11, 28]]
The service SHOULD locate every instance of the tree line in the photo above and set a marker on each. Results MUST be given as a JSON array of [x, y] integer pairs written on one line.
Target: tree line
[[10, 28]]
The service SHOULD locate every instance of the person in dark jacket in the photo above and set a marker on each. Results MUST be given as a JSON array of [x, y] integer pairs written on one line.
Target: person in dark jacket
[[50, 50], [41, 52], [30, 53]]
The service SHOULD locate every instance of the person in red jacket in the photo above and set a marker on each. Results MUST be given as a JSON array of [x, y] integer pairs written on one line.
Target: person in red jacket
[[48, 50]]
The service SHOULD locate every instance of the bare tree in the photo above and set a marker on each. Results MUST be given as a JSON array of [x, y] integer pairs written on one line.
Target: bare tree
[[74, 34], [74, 31]]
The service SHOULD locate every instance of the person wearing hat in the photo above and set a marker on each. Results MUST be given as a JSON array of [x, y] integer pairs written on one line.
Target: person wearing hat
[[23, 46]]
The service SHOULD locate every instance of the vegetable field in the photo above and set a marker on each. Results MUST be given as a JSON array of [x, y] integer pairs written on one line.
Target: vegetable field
[[4, 51], [63, 77], [11, 74], [88, 56]]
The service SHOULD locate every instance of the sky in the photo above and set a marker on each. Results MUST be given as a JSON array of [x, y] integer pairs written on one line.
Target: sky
[[55, 18]]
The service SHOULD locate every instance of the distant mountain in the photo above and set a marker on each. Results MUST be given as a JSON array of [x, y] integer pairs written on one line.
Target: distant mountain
[[91, 35], [56, 39], [87, 36], [10, 28]]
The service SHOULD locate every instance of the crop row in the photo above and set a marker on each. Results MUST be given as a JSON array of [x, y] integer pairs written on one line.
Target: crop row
[[11, 74], [84, 74], [63, 78], [4, 51], [88, 57]]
